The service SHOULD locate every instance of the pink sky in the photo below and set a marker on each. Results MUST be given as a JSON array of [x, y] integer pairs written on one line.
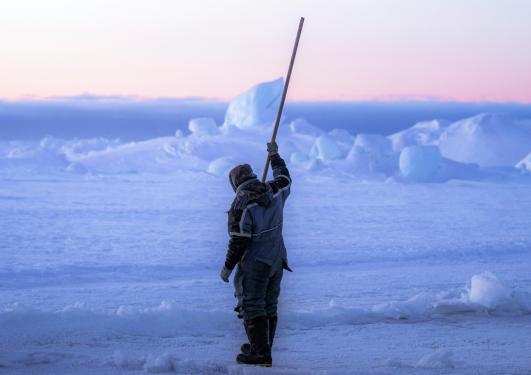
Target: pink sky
[[350, 50]]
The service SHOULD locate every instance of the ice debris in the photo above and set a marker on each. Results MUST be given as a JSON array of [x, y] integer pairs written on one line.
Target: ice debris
[[486, 146]]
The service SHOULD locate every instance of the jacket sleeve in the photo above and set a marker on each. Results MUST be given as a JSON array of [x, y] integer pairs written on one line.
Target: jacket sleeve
[[281, 178], [240, 232]]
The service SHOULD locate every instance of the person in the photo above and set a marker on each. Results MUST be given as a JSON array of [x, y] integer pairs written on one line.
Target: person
[[256, 245]]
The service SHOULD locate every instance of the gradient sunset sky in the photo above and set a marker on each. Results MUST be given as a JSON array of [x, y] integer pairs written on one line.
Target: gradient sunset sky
[[465, 50]]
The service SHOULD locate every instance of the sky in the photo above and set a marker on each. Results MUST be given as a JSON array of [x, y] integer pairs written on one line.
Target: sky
[[459, 50]]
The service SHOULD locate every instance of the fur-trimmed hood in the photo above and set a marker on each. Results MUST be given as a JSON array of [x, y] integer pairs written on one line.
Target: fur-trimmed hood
[[248, 188]]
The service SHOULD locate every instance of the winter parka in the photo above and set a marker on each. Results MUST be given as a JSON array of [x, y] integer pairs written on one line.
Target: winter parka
[[255, 218]]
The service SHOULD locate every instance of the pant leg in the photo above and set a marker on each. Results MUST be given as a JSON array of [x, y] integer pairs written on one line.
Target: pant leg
[[273, 291], [238, 291], [255, 284]]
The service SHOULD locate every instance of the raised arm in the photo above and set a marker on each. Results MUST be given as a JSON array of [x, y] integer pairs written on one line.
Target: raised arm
[[281, 177]]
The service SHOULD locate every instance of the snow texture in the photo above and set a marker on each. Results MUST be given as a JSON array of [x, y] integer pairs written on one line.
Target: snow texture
[[421, 134], [203, 126], [483, 147], [439, 359], [489, 140], [525, 164], [411, 251], [484, 294], [420, 163]]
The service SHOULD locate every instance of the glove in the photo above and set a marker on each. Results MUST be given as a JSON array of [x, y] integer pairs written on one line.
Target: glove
[[224, 274], [272, 148]]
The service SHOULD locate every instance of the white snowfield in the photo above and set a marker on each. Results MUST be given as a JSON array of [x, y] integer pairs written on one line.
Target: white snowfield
[[411, 252]]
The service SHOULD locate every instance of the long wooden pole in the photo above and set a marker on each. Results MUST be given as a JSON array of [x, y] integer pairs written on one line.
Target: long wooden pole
[[284, 93]]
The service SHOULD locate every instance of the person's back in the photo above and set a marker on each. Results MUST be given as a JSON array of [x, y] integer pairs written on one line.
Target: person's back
[[256, 244]]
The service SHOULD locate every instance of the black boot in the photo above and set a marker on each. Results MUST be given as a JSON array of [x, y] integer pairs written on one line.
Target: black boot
[[272, 322], [246, 348], [260, 353]]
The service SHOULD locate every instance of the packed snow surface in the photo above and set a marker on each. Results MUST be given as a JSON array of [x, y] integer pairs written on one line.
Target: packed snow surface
[[111, 251], [102, 274]]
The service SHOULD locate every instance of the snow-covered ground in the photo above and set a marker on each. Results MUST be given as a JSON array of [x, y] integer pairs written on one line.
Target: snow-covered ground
[[108, 274], [412, 253]]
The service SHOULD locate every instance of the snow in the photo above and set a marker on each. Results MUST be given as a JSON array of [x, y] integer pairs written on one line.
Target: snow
[[424, 133], [484, 147], [488, 140], [374, 144], [525, 163], [343, 140], [129, 264], [371, 156], [157, 155], [221, 166], [203, 126], [298, 158], [485, 294], [410, 255], [301, 126], [486, 290], [163, 363], [325, 149], [438, 359]]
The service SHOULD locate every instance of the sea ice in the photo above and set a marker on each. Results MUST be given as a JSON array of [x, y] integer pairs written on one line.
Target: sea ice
[[487, 146], [371, 155], [488, 291], [325, 149], [423, 133], [30, 157], [343, 139], [488, 140], [298, 158], [420, 163], [257, 106], [301, 126], [203, 126], [374, 143], [525, 163]]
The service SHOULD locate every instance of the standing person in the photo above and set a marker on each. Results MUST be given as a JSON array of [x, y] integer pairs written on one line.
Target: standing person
[[257, 247]]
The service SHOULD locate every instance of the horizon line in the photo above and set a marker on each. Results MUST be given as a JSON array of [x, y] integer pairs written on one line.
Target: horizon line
[[88, 97]]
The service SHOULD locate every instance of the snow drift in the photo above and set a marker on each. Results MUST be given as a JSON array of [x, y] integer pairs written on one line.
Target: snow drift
[[484, 295], [423, 133], [432, 151], [525, 164], [489, 140]]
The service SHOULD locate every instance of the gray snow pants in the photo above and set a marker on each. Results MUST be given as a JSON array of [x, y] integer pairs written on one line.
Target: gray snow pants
[[257, 287]]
